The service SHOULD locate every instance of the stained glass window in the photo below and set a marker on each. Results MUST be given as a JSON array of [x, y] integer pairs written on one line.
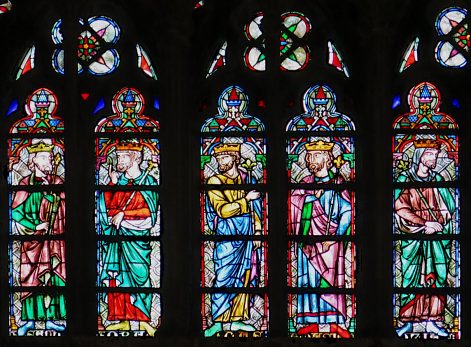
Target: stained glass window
[[335, 59], [321, 219], [294, 53], [426, 220], [6, 7], [411, 55], [144, 63], [233, 205], [27, 62], [13, 107], [128, 219], [452, 27], [219, 60], [198, 4], [36, 177]]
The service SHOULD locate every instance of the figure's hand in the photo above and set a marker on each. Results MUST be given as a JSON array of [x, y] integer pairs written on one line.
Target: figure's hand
[[12, 161], [257, 244], [326, 245], [432, 227], [43, 226], [114, 175], [318, 193], [117, 219], [252, 195]]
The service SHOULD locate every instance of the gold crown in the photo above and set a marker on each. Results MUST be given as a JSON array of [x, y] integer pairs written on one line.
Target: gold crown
[[129, 146], [40, 147], [319, 146], [427, 143], [226, 147]]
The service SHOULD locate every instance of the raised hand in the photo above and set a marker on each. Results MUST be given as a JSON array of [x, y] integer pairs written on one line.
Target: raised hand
[[114, 175], [252, 195]]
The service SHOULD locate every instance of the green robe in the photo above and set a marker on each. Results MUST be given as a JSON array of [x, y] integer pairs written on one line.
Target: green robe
[[424, 264], [128, 261], [42, 262]]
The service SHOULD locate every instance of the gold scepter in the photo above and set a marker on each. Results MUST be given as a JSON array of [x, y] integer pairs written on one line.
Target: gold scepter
[[250, 166]]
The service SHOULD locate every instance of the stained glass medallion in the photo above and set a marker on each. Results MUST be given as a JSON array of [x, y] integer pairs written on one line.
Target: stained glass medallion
[[453, 30], [58, 54], [426, 219], [94, 46], [321, 220], [294, 55], [234, 221], [37, 219], [127, 218], [254, 55]]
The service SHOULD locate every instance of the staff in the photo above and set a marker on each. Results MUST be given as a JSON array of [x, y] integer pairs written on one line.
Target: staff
[[150, 166], [54, 205]]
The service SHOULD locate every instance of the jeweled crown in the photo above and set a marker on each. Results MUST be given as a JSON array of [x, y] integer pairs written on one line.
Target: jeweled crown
[[40, 147], [319, 146], [129, 146], [427, 143], [226, 147]]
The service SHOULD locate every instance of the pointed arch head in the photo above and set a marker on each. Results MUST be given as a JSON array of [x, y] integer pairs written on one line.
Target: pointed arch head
[[319, 95], [40, 108], [233, 97], [319, 104], [424, 110], [127, 98], [232, 113], [128, 105]]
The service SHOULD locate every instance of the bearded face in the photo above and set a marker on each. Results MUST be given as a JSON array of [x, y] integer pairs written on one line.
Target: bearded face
[[316, 160], [43, 162], [429, 158], [225, 162], [125, 161]]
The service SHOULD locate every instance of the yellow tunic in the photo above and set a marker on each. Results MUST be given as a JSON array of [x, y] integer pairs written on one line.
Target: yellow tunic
[[230, 203]]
